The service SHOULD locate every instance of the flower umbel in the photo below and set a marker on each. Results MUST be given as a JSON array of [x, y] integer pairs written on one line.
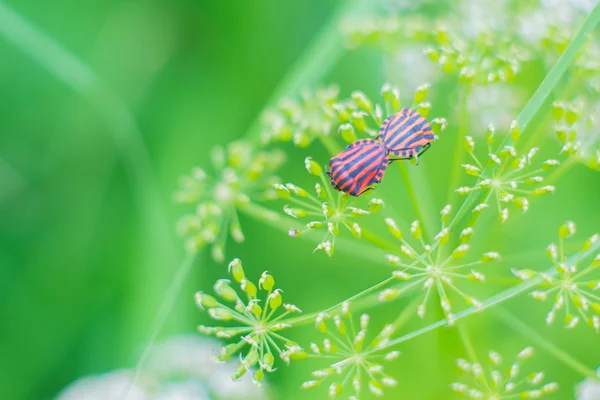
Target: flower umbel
[[436, 266], [302, 121], [361, 116], [327, 209], [352, 360], [498, 382], [259, 315], [511, 177], [242, 175], [574, 293]]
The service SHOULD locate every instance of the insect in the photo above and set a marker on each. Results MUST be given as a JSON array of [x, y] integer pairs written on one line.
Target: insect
[[406, 134], [359, 166]]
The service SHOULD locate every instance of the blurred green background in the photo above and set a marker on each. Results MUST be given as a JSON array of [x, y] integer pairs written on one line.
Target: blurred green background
[[87, 244]]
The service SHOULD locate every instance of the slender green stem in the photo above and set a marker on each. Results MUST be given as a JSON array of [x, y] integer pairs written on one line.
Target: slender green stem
[[459, 153], [420, 199], [316, 61], [361, 294], [466, 340], [161, 316], [488, 303], [524, 329]]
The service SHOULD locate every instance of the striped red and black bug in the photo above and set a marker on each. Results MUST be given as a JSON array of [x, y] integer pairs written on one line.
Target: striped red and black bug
[[359, 166], [406, 134]]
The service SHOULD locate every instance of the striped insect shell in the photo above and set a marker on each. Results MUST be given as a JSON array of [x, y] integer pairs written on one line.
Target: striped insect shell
[[406, 134], [359, 166]]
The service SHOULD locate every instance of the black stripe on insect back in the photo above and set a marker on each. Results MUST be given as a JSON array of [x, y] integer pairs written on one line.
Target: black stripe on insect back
[[360, 154], [414, 131]]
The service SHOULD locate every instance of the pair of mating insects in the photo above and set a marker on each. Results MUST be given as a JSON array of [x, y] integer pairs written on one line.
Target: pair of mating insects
[[362, 164]]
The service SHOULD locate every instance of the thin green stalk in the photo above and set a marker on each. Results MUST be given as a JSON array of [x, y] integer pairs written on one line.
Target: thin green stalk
[[466, 340], [161, 316], [316, 61], [459, 153], [488, 303], [361, 295], [537, 101], [420, 198], [524, 329]]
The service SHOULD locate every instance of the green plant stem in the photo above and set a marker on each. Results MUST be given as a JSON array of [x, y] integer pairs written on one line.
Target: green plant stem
[[459, 153], [420, 198], [361, 295], [488, 303], [466, 340], [537, 101], [524, 329], [161, 316], [316, 61]]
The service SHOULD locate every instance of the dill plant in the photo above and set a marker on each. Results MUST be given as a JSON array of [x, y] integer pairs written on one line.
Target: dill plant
[[433, 267]]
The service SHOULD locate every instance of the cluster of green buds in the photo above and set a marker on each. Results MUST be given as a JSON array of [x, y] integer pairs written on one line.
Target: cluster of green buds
[[326, 209], [488, 58], [242, 175], [506, 177], [258, 316], [438, 266], [301, 121], [386, 31], [352, 358], [587, 64], [497, 382], [576, 127], [362, 116], [568, 284]]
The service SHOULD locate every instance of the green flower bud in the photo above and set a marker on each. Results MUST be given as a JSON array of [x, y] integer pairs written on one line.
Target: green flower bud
[[393, 228], [301, 139], [469, 144], [358, 120], [312, 167], [460, 251], [490, 134], [471, 169], [362, 101], [423, 109], [375, 205], [571, 116], [295, 212], [225, 291], [415, 230], [550, 164], [249, 288], [543, 190], [515, 131], [220, 314], [558, 111], [296, 190], [438, 125], [342, 112], [236, 270], [566, 230], [275, 299], [346, 131], [205, 301], [421, 93], [266, 281]]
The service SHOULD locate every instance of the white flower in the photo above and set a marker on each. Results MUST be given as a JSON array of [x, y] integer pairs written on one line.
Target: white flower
[[589, 389]]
